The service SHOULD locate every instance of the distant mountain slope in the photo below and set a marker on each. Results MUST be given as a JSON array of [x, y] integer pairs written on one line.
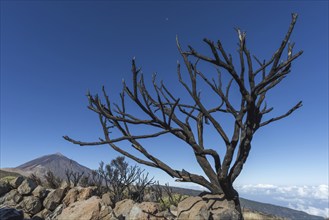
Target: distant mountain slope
[[4, 173], [57, 163], [277, 210]]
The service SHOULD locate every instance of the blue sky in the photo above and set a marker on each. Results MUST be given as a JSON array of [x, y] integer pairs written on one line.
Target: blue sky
[[53, 52]]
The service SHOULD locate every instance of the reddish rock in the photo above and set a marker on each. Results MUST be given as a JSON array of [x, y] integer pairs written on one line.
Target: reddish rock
[[144, 211], [192, 208], [40, 192], [53, 199], [87, 210], [214, 206], [71, 196], [106, 199], [86, 193], [122, 208]]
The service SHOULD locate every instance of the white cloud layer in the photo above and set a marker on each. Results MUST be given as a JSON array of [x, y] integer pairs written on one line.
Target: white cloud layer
[[310, 199]]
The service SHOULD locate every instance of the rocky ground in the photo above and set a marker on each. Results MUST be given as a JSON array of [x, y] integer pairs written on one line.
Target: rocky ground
[[22, 198], [25, 199]]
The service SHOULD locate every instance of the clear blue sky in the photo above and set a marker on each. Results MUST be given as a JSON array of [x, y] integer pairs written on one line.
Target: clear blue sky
[[52, 52]]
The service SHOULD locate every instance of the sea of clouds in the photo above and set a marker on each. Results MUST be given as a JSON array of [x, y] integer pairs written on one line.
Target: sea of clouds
[[313, 200]]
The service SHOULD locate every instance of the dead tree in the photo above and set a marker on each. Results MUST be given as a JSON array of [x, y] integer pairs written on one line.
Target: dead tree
[[165, 113], [137, 190], [96, 180], [51, 180], [73, 177], [119, 177], [84, 181]]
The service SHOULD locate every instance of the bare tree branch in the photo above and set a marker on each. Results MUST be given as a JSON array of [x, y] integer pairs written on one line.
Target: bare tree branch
[[163, 112], [298, 105]]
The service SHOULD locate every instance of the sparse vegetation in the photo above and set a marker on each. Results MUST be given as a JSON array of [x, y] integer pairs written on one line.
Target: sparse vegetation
[[96, 180], [84, 181], [121, 180], [137, 190], [165, 196], [124, 181], [7, 178], [73, 177], [52, 181]]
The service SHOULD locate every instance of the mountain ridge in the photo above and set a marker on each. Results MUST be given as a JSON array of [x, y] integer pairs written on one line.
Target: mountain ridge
[[56, 163]]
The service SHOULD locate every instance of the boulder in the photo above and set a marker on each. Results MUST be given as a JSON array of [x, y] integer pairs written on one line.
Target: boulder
[[106, 199], [11, 214], [122, 208], [54, 215], [144, 211], [135, 213], [64, 185], [192, 208], [15, 183], [150, 207], [167, 215], [71, 196], [27, 187], [12, 198], [173, 208], [2, 199], [40, 192], [35, 217], [42, 214], [87, 210], [26, 215], [220, 208], [208, 206], [105, 212], [86, 193], [4, 187], [53, 199], [31, 205]]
